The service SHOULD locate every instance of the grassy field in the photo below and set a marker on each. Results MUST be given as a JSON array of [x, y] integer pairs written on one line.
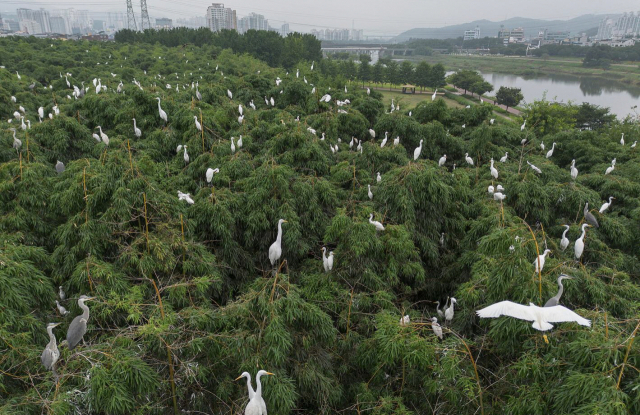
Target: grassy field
[[409, 101], [625, 72]]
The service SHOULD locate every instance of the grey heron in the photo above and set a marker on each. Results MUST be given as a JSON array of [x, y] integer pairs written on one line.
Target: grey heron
[[275, 250], [435, 326], [540, 316], [375, 223], [63, 311], [588, 216], [61, 293], [555, 300], [50, 354], [59, 167], [448, 313], [78, 326]]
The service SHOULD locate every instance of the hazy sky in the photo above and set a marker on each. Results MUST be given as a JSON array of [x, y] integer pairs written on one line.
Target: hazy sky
[[382, 17]]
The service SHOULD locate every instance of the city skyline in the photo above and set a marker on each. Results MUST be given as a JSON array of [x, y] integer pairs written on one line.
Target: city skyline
[[375, 17]]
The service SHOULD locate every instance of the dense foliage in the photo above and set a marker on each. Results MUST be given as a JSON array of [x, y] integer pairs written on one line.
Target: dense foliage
[[187, 299]]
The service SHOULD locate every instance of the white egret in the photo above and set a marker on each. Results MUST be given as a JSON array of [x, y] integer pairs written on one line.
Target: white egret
[[384, 140], [417, 151], [503, 159], [468, 159], [16, 142], [541, 316], [322, 138], [185, 155], [63, 311], [442, 160], [210, 172], [491, 121], [610, 169], [311, 130], [588, 216], [240, 119], [136, 130], [369, 192], [579, 244], [396, 141], [50, 354], [405, 321], [249, 387], [622, 139], [23, 125], [375, 223], [13, 99], [574, 170], [634, 144], [41, 113], [378, 178], [494, 171], [359, 148], [229, 94], [534, 168], [19, 77], [542, 145], [275, 250], [325, 260], [464, 125], [448, 313], [97, 137], [564, 242], [491, 190], [233, 146], [435, 326], [606, 205], [61, 293], [497, 196], [273, 103], [438, 310], [541, 260], [103, 136], [198, 125], [555, 300], [99, 86], [524, 124], [161, 112], [372, 133], [239, 142], [17, 115], [186, 197], [550, 152], [499, 188], [252, 105], [468, 106], [368, 91], [240, 109]]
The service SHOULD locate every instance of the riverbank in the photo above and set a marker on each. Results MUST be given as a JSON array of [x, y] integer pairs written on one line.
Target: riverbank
[[625, 73]]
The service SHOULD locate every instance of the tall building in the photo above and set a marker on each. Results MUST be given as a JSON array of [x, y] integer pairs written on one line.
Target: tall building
[[164, 23], [357, 34], [252, 21], [284, 30], [627, 25], [511, 35], [472, 34], [60, 25], [219, 18], [30, 26], [41, 17]]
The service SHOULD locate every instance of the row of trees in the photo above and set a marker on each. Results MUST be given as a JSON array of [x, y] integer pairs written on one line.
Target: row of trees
[[265, 45], [470, 81]]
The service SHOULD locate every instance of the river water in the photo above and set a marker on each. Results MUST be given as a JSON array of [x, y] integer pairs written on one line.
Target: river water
[[564, 88]]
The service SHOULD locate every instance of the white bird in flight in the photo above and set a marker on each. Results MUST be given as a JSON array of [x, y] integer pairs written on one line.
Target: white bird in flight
[[186, 197], [540, 316]]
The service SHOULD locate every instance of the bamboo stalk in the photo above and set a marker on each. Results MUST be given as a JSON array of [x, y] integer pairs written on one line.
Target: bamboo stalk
[[606, 326], [27, 139], [626, 356], [475, 368], [130, 160], [20, 158], [146, 221], [538, 259], [349, 312], [201, 130], [86, 202]]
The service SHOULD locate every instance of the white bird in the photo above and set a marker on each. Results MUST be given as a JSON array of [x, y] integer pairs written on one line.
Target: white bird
[[417, 151], [574, 170], [435, 326], [275, 250], [61, 293], [375, 223], [229, 94], [396, 141], [372, 133], [497, 196], [63, 311], [542, 145], [239, 142], [523, 125], [503, 159], [161, 112], [534, 168], [441, 312], [622, 139], [240, 109], [448, 313], [325, 260], [16, 142], [494, 171], [405, 321], [606, 205], [185, 196], [579, 244], [198, 125], [491, 190], [634, 144], [41, 113], [233, 146], [540, 316], [550, 152], [468, 159], [103, 136], [368, 92], [97, 137], [541, 259], [433, 97], [23, 125], [273, 103], [256, 405], [325, 98], [468, 106], [369, 192], [359, 147], [13, 99], [442, 160], [185, 155], [17, 115], [99, 86], [464, 125], [240, 119], [499, 188], [384, 140], [491, 121], [210, 172], [379, 178], [19, 77], [136, 130], [564, 242], [252, 105]]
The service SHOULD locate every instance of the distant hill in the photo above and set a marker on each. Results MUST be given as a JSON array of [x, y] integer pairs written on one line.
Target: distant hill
[[531, 27]]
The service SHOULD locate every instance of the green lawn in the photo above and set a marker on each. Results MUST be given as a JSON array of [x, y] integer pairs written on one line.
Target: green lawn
[[409, 101]]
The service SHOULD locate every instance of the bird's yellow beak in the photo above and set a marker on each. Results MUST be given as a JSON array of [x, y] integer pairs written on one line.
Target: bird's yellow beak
[[285, 221], [269, 373], [238, 378]]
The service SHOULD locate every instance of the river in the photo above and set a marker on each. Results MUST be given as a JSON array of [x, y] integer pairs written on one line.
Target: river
[[577, 89]]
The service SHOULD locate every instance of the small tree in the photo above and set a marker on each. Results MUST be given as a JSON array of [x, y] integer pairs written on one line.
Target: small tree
[[465, 79], [406, 72], [509, 97], [422, 74], [481, 87]]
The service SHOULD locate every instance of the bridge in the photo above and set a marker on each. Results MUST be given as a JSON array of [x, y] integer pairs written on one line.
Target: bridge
[[374, 52]]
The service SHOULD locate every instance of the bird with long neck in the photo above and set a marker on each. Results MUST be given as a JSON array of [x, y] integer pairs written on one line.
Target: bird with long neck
[[555, 300], [564, 242], [249, 387], [258, 394], [51, 354], [275, 250], [78, 326], [579, 245]]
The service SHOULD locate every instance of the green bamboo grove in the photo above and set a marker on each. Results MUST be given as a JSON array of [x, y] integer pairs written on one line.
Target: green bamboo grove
[[186, 298]]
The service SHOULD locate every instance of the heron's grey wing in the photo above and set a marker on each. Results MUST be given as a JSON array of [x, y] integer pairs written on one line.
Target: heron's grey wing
[[553, 301], [559, 314], [77, 329], [47, 358], [507, 308]]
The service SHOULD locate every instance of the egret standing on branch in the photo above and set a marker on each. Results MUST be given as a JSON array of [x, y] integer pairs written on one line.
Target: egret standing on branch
[[555, 300], [579, 245], [541, 316], [564, 242], [574, 170], [249, 387], [494, 171], [550, 152], [136, 130], [437, 330], [198, 126], [275, 250], [417, 151], [541, 259], [78, 326], [210, 172], [375, 223], [606, 205], [448, 313], [161, 112]]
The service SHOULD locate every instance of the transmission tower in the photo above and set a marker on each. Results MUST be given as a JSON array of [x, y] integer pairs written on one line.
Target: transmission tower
[[145, 15], [131, 19]]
